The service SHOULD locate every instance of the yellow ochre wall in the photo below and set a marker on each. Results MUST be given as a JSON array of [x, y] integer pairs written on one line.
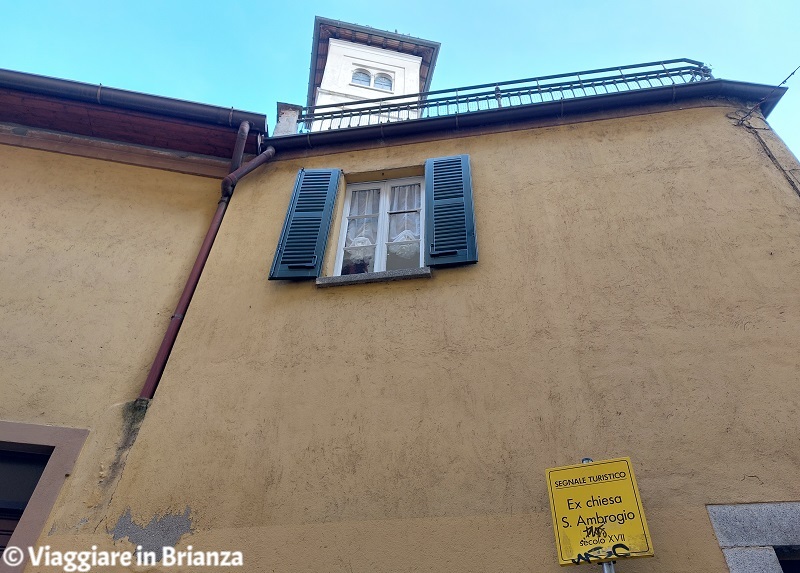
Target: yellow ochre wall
[[93, 257], [636, 296]]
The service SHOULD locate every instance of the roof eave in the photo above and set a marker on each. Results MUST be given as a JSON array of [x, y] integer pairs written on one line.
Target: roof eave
[[767, 96], [130, 100]]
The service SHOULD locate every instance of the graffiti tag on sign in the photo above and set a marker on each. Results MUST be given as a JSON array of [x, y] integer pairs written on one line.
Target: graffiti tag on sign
[[597, 513]]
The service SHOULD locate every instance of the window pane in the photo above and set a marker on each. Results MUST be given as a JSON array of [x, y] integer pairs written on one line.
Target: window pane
[[383, 82], [365, 202], [405, 225], [403, 234], [361, 78], [19, 474], [361, 232], [402, 256], [405, 198], [359, 252], [358, 260]]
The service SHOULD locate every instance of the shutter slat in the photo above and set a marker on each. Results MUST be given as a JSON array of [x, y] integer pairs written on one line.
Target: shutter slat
[[305, 231], [449, 212]]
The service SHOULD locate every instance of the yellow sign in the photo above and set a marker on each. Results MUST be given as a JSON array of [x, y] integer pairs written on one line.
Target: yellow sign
[[597, 512]]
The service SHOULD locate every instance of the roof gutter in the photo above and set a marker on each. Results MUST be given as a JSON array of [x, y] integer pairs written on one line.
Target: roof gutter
[[135, 101]]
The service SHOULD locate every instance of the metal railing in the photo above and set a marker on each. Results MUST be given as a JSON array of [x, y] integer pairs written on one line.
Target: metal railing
[[500, 95]]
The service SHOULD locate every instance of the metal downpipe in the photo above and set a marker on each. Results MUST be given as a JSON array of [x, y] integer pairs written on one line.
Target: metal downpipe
[[162, 356], [238, 149]]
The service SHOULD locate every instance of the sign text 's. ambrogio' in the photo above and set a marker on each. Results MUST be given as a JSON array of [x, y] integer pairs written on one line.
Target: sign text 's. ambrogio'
[[597, 513]]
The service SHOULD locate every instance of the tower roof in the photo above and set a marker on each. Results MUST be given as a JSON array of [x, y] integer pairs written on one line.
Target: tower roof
[[325, 28]]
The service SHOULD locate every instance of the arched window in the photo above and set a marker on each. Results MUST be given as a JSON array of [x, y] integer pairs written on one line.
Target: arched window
[[361, 78], [383, 82]]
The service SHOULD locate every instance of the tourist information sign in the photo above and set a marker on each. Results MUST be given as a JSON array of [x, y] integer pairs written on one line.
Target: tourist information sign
[[597, 512]]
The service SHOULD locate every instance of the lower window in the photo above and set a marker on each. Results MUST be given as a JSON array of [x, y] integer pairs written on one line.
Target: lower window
[[20, 469], [35, 461], [789, 558], [382, 227]]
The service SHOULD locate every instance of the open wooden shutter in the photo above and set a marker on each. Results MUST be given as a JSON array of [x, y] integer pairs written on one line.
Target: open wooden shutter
[[308, 220], [449, 213]]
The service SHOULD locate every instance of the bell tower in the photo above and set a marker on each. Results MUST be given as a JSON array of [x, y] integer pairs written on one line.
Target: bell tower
[[351, 63]]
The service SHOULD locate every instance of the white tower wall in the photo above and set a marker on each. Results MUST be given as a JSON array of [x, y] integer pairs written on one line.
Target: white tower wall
[[345, 58]]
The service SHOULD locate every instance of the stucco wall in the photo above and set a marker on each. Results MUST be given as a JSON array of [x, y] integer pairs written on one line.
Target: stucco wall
[[635, 296], [93, 257]]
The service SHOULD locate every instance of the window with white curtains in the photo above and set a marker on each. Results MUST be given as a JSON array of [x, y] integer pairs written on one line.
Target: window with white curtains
[[382, 227]]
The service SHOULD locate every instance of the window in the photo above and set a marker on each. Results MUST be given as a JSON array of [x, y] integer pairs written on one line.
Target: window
[[386, 226], [362, 78], [383, 82], [760, 537], [788, 558], [381, 227], [20, 470], [34, 463]]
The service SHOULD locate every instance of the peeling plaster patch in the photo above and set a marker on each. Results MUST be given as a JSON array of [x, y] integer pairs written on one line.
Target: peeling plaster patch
[[159, 533]]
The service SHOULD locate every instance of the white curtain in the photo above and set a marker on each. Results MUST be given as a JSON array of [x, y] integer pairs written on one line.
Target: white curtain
[[404, 227], [362, 226]]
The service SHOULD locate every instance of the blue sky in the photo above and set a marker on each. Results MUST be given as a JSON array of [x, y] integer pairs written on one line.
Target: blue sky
[[249, 55]]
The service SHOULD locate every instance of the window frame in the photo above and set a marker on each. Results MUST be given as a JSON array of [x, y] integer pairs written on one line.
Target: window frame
[[64, 445], [382, 232], [748, 533]]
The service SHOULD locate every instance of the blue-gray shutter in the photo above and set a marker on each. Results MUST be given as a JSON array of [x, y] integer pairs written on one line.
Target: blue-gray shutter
[[308, 221], [449, 213]]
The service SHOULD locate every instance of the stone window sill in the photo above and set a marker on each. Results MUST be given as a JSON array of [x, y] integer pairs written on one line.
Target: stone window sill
[[381, 277]]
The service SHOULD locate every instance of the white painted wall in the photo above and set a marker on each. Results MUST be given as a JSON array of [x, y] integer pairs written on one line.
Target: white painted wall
[[344, 58]]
